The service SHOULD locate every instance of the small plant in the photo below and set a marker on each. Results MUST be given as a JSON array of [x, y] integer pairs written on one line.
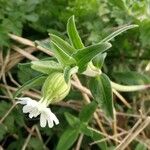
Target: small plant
[[77, 87]]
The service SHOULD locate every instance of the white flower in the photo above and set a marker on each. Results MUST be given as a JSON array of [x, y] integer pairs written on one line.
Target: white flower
[[53, 90], [35, 108]]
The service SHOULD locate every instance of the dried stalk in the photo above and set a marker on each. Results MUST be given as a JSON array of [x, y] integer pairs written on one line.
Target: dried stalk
[[121, 98], [16, 57], [27, 42], [79, 142], [131, 136], [28, 138], [24, 53], [107, 138]]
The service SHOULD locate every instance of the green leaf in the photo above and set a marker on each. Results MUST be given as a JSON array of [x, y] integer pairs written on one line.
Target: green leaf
[[116, 33], [62, 57], [68, 71], [45, 44], [3, 131], [19, 118], [32, 17], [16, 145], [67, 139], [98, 61], [87, 111], [46, 67], [140, 146], [72, 120], [9, 122], [25, 72], [37, 81], [120, 4], [101, 90], [85, 55], [4, 106], [131, 78], [66, 47], [145, 32], [73, 34], [95, 136], [36, 144]]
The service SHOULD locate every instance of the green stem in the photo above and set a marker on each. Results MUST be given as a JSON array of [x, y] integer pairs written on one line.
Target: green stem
[[129, 88]]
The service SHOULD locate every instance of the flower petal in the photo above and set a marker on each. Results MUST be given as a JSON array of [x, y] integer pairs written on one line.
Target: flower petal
[[51, 117], [50, 122], [43, 120], [33, 103], [23, 100], [54, 118], [27, 108], [35, 108], [34, 112], [26, 100]]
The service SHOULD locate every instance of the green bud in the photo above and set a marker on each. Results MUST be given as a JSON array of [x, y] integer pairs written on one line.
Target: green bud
[[55, 88]]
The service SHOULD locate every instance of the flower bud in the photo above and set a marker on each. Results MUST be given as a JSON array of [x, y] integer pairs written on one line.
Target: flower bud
[[55, 88]]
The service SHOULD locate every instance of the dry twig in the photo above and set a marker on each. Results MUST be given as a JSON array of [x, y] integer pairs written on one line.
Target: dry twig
[[28, 138], [131, 136], [79, 142]]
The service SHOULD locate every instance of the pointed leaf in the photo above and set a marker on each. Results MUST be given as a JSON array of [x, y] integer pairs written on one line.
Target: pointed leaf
[[67, 139], [73, 34], [46, 67], [131, 78], [66, 47], [116, 33], [62, 57], [85, 55], [72, 120], [98, 61], [101, 90], [87, 111], [68, 71], [37, 81], [26, 73]]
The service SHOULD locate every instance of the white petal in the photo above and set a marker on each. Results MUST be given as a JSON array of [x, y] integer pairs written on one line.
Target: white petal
[[50, 122], [34, 112], [35, 108], [25, 100], [21, 102], [51, 118], [33, 103], [43, 120], [54, 118], [31, 115], [27, 108]]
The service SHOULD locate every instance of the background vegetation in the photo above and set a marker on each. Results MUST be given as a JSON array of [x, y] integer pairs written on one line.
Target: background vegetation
[[128, 62]]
